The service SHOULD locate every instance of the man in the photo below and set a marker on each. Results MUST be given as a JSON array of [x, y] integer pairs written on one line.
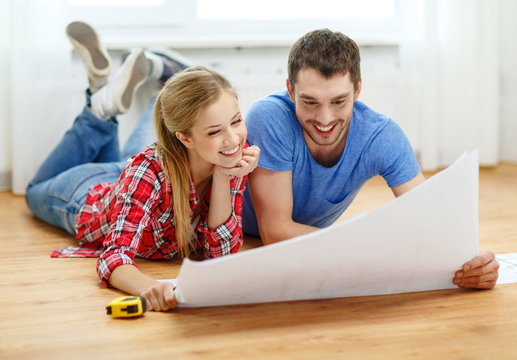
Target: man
[[319, 145]]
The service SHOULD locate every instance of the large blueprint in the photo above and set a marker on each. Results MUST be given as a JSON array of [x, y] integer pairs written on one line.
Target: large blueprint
[[414, 243]]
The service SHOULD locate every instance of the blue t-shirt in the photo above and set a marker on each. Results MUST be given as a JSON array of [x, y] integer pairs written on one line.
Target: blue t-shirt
[[375, 145]]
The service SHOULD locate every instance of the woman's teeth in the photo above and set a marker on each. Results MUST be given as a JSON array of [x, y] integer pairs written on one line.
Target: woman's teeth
[[324, 128], [231, 152]]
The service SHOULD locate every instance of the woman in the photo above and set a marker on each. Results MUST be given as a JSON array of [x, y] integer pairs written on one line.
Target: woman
[[180, 195]]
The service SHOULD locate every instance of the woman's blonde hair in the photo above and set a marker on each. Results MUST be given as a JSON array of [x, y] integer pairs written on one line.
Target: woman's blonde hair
[[177, 108]]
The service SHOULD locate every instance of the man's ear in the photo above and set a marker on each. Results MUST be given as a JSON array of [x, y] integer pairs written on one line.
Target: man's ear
[[185, 140], [290, 89], [358, 90]]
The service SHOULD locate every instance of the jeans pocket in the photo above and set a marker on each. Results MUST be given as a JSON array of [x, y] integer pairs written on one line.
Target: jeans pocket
[[65, 185]]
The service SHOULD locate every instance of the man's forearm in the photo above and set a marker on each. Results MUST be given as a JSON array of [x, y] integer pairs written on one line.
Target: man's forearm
[[283, 230]]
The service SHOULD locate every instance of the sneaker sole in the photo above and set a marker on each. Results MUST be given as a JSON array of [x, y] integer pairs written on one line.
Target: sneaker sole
[[86, 41], [139, 72]]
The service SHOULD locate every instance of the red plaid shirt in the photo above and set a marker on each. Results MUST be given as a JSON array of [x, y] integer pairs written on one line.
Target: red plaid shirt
[[134, 217]]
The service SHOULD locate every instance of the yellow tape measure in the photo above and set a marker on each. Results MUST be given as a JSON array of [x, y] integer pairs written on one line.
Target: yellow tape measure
[[126, 306]]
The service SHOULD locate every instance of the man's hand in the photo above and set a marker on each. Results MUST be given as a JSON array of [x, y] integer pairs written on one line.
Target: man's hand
[[479, 273], [247, 164], [160, 297]]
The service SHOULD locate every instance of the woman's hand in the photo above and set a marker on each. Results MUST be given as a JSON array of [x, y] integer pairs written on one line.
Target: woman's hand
[[479, 273], [247, 164], [160, 297]]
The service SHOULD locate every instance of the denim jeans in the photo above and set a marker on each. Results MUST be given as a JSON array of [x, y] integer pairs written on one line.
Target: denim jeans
[[87, 155]]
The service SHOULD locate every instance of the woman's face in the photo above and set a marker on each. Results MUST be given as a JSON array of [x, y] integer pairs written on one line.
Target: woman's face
[[218, 135]]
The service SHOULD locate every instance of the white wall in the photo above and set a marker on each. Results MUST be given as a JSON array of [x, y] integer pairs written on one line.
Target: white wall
[[5, 140], [508, 81]]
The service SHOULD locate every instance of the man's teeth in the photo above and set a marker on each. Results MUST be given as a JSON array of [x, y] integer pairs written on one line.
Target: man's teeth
[[232, 151], [324, 128]]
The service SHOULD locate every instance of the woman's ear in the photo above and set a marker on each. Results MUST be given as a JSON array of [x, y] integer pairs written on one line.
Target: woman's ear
[[185, 140]]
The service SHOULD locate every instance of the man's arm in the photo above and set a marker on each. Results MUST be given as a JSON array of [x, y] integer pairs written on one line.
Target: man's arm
[[408, 185], [272, 195]]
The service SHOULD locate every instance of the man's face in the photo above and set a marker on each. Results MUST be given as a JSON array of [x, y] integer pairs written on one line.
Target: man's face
[[324, 108]]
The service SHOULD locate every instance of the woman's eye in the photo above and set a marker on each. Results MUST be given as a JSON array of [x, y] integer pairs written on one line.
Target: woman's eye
[[212, 133], [236, 122]]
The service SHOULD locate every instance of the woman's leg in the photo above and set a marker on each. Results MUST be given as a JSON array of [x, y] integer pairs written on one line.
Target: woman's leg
[[143, 134], [163, 64], [81, 144], [58, 200]]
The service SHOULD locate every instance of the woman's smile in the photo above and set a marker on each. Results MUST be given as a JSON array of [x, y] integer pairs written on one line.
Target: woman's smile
[[231, 152]]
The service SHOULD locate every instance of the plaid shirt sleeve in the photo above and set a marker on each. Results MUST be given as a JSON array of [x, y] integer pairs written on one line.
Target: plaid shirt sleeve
[[227, 238], [136, 196]]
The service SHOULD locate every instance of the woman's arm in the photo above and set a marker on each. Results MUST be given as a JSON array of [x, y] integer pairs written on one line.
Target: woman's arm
[[220, 207], [159, 296], [223, 228], [220, 199]]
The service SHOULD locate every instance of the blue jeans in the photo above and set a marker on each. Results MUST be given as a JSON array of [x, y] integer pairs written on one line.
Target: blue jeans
[[87, 155]]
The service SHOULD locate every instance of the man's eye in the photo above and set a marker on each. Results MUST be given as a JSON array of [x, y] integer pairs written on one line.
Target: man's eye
[[311, 102], [338, 102]]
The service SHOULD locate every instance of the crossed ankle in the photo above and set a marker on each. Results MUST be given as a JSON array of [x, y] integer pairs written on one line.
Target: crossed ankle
[[116, 97]]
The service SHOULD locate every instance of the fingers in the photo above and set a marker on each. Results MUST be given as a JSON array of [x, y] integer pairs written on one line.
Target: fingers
[[241, 169], [479, 273], [485, 281], [246, 164], [160, 297], [170, 299], [253, 151], [483, 258]]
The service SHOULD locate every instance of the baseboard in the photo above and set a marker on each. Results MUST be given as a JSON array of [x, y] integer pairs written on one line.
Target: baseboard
[[5, 180]]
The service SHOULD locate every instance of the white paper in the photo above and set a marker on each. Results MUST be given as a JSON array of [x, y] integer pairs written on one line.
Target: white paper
[[414, 243], [507, 268]]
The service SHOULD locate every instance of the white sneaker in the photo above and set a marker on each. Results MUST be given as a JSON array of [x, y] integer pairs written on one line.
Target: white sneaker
[[117, 95], [165, 63], [87, 43]]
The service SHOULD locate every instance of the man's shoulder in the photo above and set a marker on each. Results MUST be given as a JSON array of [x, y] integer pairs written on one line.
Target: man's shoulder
[[368, 115], [276, 103]]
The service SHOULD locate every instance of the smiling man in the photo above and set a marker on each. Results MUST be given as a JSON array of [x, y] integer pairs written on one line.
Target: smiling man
[[319, 146]]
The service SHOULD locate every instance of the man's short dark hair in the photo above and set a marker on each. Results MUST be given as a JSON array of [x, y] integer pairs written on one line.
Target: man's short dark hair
[[328, 52]]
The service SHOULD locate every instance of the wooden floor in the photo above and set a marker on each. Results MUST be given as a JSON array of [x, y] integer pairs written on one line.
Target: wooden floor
[[54, 308]]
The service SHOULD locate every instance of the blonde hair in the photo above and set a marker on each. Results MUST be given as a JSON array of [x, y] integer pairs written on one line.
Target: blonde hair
[[177, 108]]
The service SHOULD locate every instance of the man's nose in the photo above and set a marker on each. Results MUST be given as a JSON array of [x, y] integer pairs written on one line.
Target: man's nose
[[325, 116]]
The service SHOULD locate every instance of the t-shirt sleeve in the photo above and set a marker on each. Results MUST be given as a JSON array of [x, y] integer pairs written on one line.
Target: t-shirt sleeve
[[394, 156], [270, 127]]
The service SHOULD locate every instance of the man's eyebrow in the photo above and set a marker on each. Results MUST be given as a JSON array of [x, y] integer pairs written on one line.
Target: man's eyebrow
[[305, 96], [340, 96], [218, 125]]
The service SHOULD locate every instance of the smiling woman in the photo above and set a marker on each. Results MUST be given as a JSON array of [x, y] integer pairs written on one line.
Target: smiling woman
[[176, 196]]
